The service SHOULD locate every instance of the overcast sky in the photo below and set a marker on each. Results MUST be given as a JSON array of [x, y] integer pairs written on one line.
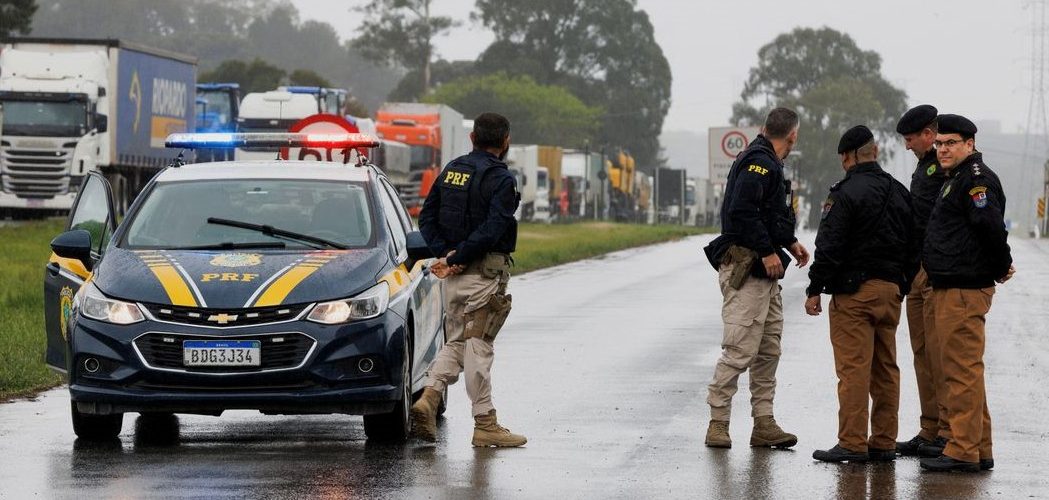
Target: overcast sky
[[964, 56]]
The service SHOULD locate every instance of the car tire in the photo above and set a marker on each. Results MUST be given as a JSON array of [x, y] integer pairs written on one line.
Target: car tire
[[394, 425], [96, 427]]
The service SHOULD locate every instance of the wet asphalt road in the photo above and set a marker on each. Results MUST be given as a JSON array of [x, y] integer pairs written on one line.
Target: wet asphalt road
[[603, 365]]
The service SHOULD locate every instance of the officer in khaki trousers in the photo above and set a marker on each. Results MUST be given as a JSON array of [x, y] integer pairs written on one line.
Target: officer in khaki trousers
[[468, 221], [966, 252], [866, 256], [750, 257], [918, 128]]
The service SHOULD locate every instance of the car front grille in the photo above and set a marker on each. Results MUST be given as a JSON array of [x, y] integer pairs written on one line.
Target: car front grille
[[223, 317], [279, 351]]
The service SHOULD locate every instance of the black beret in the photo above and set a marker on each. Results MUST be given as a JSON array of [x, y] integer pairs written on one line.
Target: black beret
[[915, 119], [956, 124], [853, 138]]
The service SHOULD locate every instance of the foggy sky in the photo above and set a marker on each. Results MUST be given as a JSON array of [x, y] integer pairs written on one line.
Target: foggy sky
[[965, 57]]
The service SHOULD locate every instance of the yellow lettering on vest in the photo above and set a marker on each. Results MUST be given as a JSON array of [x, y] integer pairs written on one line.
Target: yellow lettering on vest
[[465, 178]]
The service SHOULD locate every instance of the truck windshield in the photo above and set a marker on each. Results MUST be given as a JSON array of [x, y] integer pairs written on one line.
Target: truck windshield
[[422, 157], [45, 118], [176, 215], [213, 115]]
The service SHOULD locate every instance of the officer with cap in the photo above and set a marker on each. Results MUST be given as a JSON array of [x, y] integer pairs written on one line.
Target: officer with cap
[[757, 225], [966, 252], [468, 221], [865, 258], [918, 128]]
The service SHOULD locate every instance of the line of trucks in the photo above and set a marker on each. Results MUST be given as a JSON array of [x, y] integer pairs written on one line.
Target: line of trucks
[[71, 106]]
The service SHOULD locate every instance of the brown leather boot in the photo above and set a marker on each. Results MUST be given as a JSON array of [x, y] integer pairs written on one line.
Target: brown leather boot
[[717, 434], [424, 415], [767, 433], [488, 432]]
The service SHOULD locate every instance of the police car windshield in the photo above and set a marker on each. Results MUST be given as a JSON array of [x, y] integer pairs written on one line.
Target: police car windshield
[[175, 215]]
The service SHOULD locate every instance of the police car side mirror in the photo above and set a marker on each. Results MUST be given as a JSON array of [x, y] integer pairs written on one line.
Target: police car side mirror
[[75, 244], [417, 247]]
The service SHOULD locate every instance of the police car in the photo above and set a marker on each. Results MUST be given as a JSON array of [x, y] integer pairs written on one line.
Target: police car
[[286, 287]]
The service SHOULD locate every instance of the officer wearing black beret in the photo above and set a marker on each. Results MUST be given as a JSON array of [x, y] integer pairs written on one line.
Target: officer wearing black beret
[[966, 252], [918, 128], [865, 258]]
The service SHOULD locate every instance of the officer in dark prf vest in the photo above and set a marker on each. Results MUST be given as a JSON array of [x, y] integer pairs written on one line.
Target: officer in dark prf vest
[[865, 258], [918, 128], [468, 221], [966, 252], [757, 224]]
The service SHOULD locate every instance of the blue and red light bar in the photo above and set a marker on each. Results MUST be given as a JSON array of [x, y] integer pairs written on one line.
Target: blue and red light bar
[[270, 140]]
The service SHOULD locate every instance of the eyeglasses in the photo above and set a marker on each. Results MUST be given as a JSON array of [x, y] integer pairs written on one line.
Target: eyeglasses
[[950, 143]]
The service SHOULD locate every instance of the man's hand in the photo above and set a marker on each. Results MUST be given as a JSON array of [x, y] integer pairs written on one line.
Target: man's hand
[[1008, 275], [799, 252], [813, 306], [773, 266], [441, 269]]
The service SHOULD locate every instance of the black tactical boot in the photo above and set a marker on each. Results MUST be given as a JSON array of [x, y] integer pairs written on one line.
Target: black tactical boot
[[880, 455], [986, 463], [910, 448], [933, 449], [944, 463], [839, 454]]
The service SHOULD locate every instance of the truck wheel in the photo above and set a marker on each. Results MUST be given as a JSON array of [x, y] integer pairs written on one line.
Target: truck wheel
[[96, 427], [394, 425]]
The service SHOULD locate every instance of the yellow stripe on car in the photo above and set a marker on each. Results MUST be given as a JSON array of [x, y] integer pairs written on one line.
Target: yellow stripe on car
[[176, 288], [72, 265], [398, 279], [279, 289]]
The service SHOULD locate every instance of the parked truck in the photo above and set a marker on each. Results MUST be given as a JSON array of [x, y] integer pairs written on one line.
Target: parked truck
[[524, 162], [72, 106], [218, 106], [434, 132], [621, 181], [550, 158]]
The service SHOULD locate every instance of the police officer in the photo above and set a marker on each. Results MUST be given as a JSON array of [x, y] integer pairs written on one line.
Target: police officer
[[918, 128], [468, 220], [965, 253], [757, 224], [865, 257]]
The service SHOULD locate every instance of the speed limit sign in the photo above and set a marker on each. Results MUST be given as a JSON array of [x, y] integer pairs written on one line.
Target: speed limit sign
[[725, 144], [321, 124]]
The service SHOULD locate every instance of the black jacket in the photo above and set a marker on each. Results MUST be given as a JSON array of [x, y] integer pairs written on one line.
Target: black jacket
[[756, 212], [866, 232], [926, 182], [470, 209], [966, 244]]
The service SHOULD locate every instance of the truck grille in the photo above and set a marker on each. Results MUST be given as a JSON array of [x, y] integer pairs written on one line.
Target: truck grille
[[35, 173], [409, 192], [279, 351]]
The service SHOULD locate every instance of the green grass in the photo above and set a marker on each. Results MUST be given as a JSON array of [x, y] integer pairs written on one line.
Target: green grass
[[546, 245], [26, 249], [22, 341]]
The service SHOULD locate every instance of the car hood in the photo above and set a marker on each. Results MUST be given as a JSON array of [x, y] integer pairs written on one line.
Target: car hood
[[240, 279]]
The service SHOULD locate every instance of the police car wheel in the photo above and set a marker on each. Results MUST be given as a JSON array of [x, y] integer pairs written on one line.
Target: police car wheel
[[96, 427], [396, 424]]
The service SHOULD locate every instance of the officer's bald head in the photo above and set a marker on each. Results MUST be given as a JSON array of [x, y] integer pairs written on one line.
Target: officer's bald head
[[491, 131]]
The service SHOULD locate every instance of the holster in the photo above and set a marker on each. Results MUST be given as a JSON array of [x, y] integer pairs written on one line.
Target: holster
[[486, 321], [743, 260]]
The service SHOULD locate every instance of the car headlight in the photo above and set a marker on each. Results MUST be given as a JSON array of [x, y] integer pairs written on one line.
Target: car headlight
[[368, 304], [91, 303]]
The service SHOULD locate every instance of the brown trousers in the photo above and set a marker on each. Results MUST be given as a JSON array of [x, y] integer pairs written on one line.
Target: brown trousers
[[927, 368], [863, 334], [960, 319], [753, 317]]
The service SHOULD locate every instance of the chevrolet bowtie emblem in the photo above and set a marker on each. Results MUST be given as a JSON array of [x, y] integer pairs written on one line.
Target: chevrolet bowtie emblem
[[223, 318]]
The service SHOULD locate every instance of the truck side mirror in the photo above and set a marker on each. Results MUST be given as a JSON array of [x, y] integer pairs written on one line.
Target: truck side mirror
[[101, 122], [75, 244]]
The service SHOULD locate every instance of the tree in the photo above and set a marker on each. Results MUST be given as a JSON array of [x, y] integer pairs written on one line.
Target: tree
[[538, 114], [603, 51], [411, 86], [17, 16], [308, 78], [256, 76], [832, 84], [401, 33]]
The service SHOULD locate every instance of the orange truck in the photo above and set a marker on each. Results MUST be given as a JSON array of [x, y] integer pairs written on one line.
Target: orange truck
[[435, 134]]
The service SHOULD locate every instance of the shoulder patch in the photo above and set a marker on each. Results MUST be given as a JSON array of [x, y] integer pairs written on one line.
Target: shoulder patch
[[977, 189], [979, 196], [827, 205], [758, 169]]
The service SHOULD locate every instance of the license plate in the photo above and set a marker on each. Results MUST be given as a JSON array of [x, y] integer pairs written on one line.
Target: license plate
[[221, 353], [34, 203]]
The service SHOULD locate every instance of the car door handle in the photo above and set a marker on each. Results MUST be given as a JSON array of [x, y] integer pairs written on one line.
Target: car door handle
[[53, 269]]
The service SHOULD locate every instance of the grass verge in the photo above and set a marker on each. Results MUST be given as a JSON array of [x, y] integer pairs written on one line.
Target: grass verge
[[26, 249]]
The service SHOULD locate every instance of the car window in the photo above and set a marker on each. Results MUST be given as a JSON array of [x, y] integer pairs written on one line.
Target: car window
[[92, 213], [176, 214], [393, 220], [402, 213]]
